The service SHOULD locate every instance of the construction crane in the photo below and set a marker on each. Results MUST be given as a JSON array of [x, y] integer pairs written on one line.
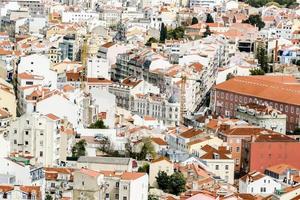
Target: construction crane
[[182, 96]]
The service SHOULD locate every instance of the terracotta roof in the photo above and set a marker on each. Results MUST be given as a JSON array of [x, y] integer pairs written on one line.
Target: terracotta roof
[[52, 116], [191, 133], [197, 66], [148, 118], [131, 82], [25, 75], [280, 89], [132, 175], [244, 130], [280, 168], [159, 141], [68, 88], [90, 172], [98, 80], [32, 189], [161, 159], [252, 176], [6, 188], [274, 138], [4, 113], [222, 153], [108, 44]]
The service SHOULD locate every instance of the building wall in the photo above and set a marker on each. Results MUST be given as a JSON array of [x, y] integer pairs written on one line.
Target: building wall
[[223, 168], [159, 166], [256, 187], [225, 103], [263, 154]]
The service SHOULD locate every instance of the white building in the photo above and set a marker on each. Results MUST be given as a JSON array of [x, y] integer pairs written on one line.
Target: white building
[[106, 103], [110, 185], [263, 116], [98, 68], [258, 183], [38, 136], [219, 162], [73, 17], [20, 172], [38, 65]]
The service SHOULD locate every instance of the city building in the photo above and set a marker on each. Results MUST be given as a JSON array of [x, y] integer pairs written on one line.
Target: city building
[[280, 92]]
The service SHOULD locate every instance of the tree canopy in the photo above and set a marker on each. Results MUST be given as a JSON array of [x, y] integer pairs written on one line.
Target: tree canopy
[[150, 41], [209, 18], [262, 58], [261, 3], [257, 71], [163, 33], [176, 33], [207, 32], [99, 124], [174, 184], [79, 149], [194, 20], [255, 20]]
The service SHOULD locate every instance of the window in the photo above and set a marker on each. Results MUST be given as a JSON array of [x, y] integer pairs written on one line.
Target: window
[[262, 189], [41, 154], [15, 141], [124, 198], [26, 142], [15, 131], [107, 195], [217, 167], [41, 143], [237, 149], [26, 132], [252, 190], [82, 183], [226, 167], [116, 196], [125, 187], [117, 184]]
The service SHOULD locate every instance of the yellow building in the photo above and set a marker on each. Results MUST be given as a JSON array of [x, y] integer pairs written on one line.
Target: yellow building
[[7, 97]]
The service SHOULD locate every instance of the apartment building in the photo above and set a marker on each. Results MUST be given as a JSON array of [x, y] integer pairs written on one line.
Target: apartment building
[[262, 116], [165, 110], [36, 136], [95, 185], [280, 92]]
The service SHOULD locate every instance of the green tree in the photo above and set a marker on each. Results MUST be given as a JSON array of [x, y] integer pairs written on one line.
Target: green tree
[[48, 197], [163, 33], [176, 33], [262, 58], [207, 32], [79, 149], [145, 168], [257, 71], [177, 183], [261, 3], [209, 18], [99, 124], [152, 197], [255, 20], [150, 41], [147, 150], [163, 181], [194, 20], [229, 76]]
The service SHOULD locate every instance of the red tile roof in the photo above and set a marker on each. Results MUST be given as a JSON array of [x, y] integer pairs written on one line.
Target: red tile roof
[[283, 89]]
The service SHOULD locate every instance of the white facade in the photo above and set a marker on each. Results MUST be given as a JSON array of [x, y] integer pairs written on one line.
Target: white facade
[[262, 186], [98, 68], [224, 168], [106, 103], [73, 17], [21, 173], [38, 136], [36, 64]]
